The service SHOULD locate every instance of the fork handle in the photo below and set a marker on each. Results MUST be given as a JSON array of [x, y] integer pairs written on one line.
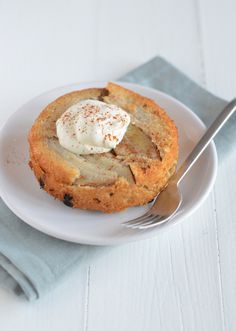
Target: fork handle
[[204, 141]]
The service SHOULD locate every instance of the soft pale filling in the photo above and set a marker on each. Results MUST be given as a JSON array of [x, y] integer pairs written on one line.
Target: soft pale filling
[[83, 142]]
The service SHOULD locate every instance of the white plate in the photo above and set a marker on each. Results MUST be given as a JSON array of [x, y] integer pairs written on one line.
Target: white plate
[[20, 190]]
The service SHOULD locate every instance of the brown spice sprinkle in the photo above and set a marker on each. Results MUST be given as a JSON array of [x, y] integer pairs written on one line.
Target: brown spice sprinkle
[[110, 137], [91, 112]]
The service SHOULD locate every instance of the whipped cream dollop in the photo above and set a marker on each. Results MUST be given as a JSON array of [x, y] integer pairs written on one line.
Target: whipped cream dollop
[[92, 126]]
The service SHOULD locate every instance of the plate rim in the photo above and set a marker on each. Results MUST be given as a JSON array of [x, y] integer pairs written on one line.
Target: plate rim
[[110, 242]]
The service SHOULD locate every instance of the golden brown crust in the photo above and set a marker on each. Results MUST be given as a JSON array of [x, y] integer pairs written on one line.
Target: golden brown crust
[[61, 172]]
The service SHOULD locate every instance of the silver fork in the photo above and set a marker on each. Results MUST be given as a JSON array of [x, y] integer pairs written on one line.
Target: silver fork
[[169, 200]]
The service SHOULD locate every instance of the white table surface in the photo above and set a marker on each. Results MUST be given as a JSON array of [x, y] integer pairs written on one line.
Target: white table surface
[[186, 279]]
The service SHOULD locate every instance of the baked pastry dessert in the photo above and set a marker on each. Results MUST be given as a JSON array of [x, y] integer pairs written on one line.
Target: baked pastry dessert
[[115, 176]]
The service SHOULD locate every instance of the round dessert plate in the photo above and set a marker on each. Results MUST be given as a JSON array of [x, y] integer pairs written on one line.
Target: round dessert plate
[[20, 190]]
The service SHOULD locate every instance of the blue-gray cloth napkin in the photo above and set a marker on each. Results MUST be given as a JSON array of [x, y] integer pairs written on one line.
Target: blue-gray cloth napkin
[[31, 262]]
